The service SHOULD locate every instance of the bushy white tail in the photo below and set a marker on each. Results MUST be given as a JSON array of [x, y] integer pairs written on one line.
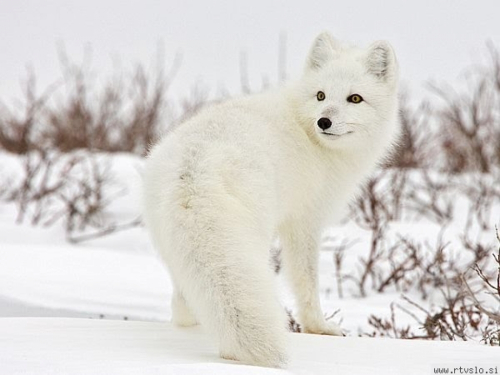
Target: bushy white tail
[[218, 259]]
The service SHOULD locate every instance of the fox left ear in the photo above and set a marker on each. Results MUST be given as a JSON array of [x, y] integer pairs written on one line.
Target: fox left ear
[[381, 61], [323, 50]]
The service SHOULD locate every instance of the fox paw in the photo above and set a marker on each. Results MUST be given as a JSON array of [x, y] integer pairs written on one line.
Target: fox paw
[[181, 314], [323, 328], [227, 354]]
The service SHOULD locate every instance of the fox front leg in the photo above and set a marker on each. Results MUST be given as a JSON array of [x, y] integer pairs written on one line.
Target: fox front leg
[[300, 255]]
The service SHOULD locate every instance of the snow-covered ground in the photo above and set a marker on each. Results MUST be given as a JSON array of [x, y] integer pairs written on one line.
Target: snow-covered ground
[[119, 282], [82, 346]]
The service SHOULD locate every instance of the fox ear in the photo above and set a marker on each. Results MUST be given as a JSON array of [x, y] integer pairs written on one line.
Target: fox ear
[[381, 61], [324, 49]]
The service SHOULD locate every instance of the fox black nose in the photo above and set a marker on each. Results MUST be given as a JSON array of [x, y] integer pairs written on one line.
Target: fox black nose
[[324, 123]]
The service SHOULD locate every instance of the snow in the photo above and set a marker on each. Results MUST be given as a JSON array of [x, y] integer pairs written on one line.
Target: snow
[[83, 346], [50, 288], [99, 282]]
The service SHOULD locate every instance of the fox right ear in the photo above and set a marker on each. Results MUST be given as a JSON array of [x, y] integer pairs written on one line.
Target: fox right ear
[[381, 61], [324, 49]]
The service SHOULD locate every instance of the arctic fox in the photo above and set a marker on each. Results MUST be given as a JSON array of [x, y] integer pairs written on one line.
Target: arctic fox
[[223, 185]]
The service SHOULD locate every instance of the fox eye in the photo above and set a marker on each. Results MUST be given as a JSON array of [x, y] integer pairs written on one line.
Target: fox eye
[[355, 98], [320, 95]]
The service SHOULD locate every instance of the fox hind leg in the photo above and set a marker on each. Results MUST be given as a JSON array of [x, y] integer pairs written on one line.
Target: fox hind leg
[[181, 313], [231, 287]]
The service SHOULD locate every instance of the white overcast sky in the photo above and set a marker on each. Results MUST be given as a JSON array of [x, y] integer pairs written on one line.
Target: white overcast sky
[[433, 39]]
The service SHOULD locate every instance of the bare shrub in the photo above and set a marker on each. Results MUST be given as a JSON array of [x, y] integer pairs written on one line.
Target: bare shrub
[[399, 266], [484, 195], [126, 117], [17, 126], [338, 259], [104, 231], [458, 133], [416, 143], [388, 327], [437, 267], [83, 196], [403, 259], [491, 285], [469, 121], [456, 319], [118, 115], [429, 197], [36, 184], [6, 192], [461, 315], [72, 188], [479, 252], [369, 265], [381, 199], [381, 202]]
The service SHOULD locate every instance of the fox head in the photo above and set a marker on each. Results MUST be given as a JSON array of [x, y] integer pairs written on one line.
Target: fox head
[[348, 95]]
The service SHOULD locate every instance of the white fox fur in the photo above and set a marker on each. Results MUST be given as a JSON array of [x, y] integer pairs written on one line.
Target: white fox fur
[[224, 184]]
